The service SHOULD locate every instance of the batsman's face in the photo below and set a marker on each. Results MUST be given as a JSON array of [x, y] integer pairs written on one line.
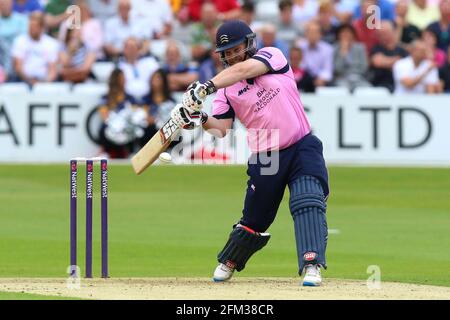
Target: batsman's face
[[236, 54]]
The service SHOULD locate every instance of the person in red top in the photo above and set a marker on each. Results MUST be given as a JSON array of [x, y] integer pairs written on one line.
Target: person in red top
[[228, 9], [365, 30]]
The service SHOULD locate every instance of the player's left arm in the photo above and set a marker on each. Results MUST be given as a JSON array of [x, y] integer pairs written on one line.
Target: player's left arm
[[247, 69], [196, 92]]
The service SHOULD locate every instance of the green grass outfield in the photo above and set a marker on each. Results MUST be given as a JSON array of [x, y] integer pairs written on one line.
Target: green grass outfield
[[172, 221]]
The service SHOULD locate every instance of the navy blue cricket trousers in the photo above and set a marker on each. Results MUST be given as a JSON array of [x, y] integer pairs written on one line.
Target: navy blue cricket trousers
[[265, 192]]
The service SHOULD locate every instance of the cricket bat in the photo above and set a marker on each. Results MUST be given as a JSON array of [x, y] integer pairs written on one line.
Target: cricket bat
[[156, 145]]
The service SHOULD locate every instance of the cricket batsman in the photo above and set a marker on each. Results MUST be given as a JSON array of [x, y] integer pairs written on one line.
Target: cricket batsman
[[259, 89]]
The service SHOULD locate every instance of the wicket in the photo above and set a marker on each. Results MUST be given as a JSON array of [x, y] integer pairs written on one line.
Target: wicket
[[104, 214]]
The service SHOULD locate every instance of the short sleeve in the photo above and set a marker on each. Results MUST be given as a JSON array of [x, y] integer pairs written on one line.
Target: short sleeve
[[54, 49], [18, 49], [432, 77], [399, 71], [273, 58], [222, 108]]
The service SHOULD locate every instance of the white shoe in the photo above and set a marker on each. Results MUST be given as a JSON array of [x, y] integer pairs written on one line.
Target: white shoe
[[223, 273], [312, 276]]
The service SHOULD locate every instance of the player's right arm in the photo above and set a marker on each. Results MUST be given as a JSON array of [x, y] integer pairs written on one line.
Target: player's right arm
[[218, 127]]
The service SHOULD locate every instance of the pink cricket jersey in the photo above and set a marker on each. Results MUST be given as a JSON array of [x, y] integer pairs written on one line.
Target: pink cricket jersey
[[268, 106]]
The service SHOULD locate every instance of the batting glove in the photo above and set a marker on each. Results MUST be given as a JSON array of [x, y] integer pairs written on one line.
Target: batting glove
[[184, 119], [196, 94]]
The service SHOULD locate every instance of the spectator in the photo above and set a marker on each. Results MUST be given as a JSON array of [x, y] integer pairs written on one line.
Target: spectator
[[182, 14], [406, 31], [421, 14], [325, 18], [433, 52], [156, 13], [35, 54], [181, 24], [12, 24], [317, 55], [3, 75], [122, 27], [444, 74], [287, 30], [137, 70], [228, 9], [386, 7], [442, 27], [203, 33], [304, 80], [268, 38], [180, 75], [55, 14], [91, 30], [210, 67], [76, 59], [248, 14], [158, 102], [26, 6], [117, 109], [350, 60], [103, 9], [365, 34], [385, 55], [304, 10], [344, 9], [416, 74]]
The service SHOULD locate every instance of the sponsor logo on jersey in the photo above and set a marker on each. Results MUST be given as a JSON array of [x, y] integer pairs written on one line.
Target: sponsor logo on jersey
[[243, 90]]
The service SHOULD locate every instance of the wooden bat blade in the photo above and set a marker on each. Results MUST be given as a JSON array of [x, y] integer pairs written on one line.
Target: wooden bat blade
[[154, 147]]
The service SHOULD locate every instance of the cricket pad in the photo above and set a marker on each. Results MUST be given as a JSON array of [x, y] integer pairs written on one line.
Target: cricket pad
[[241, 245]]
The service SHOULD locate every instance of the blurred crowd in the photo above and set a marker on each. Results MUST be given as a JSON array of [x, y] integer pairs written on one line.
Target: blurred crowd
[[159, 47]]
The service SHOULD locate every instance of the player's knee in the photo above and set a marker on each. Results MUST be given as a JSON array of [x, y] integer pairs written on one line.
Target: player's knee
[[258, 226], [306, 194]]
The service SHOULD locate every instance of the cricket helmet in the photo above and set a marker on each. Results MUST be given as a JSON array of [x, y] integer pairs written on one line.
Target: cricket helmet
[[232, 33]]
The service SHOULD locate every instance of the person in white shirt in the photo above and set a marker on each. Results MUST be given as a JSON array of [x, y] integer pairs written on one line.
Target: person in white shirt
[[158, 12], [119, 28], [304, 11], [137, 71], [415, 73], [103, 9], [35, 54]]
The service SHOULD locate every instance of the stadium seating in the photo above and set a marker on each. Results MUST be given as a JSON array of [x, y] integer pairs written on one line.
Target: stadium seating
[[90, 88], [332, 91], [50, 88], [371, 91], [14, 88]]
